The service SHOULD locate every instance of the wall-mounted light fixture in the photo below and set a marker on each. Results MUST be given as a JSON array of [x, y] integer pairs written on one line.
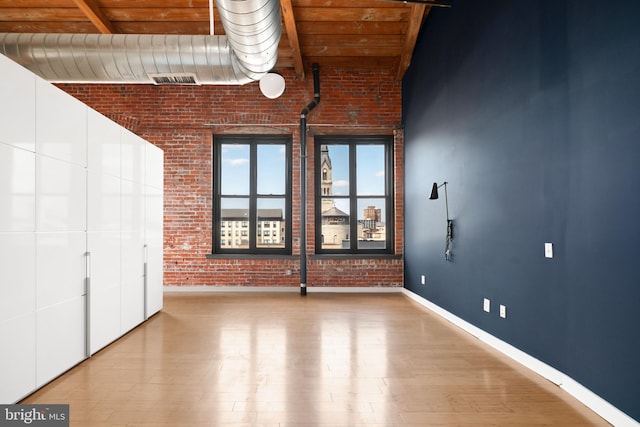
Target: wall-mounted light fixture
[[272, 85], [434, 196]]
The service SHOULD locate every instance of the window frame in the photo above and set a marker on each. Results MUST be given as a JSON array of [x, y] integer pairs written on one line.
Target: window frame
[[353, 141], [253, 141]]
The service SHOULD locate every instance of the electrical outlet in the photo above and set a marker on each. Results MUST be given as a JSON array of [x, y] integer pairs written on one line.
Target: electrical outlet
[[503, 311], [423, 279], [487, 305], [548, 250]]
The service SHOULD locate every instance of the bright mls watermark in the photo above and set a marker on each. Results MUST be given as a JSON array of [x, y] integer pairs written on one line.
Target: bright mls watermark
[[34, 415]]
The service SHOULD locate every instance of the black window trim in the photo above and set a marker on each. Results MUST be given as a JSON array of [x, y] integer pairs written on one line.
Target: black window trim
[[353, 141], [253, 141]]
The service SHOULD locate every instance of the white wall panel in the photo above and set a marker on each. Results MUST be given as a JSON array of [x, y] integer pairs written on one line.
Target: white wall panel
[[61, 124], [60, 267], [103, 202], [60, 338], [18, 114], [18, 275], [17, 189], [17, 358], [103, 144], [61, 195]]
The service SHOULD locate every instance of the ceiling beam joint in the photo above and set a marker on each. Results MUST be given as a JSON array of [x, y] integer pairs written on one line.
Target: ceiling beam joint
[[292, 34], [95, 15]]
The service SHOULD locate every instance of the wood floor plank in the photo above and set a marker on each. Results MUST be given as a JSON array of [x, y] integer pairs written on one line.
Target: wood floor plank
[[280, 359]]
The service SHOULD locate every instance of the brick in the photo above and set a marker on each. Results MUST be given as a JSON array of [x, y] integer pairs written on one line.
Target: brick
[[182, 121]]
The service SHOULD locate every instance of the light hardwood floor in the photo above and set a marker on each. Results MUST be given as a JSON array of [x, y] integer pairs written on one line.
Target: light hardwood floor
[[281, 359]]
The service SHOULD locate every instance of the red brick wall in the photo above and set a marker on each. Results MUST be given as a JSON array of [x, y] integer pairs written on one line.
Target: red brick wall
[[182, 119]]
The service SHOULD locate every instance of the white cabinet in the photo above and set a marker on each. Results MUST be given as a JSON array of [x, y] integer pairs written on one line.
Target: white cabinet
[[80, 223], [61, 223], [132, 229], [103, 229]]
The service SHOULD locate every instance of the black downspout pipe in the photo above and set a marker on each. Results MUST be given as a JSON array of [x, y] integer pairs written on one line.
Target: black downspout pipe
[[303, 178]]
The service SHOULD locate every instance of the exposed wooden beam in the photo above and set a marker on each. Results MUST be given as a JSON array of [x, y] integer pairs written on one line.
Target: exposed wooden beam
[[292, 33], [418, 13], [95, 15]]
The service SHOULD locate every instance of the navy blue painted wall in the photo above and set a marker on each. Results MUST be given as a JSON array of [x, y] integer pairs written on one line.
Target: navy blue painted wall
[[530, 109]]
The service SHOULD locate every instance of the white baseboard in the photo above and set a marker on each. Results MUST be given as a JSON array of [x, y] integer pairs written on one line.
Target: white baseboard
[[203, 289], [594, 402], [310, 289]]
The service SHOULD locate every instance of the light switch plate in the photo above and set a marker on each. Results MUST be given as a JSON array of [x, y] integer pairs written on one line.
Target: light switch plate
[[548, 250], [487, 305]]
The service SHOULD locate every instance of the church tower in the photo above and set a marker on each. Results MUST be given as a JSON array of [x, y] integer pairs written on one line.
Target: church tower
[[326, 183]]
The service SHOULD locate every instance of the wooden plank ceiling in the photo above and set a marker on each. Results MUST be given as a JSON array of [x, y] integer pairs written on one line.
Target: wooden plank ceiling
[[351, 34]]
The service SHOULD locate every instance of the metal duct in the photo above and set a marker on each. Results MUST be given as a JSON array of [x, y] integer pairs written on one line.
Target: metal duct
[[246, 53]]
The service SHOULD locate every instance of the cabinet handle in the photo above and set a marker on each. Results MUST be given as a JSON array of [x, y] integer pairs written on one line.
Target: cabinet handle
[[87, 318]]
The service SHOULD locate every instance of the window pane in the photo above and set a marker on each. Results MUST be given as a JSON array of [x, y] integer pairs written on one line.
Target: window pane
[[234, 169], [270, 224], [233, 213], [272, 169], [334, 170], [370, 170], [372, 231], [335, 226]]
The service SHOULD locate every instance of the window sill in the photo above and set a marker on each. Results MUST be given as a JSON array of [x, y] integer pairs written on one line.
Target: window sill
[[251, 256], [355, 256], [295, 257]]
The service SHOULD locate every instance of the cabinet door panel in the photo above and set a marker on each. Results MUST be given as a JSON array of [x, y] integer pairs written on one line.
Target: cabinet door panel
[[61, 195], [60, 267], [19, 114], [18, 267], [103, 144], [60, 333], [154, 166], [132, 150], [132, 206], [61, 124], [132, 280], [17, 189], [103, 202], [18, 360], [104, 248], [154, 242]]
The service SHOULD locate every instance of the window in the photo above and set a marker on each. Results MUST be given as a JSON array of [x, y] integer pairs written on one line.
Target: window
[[354, 196], [252, 187]]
